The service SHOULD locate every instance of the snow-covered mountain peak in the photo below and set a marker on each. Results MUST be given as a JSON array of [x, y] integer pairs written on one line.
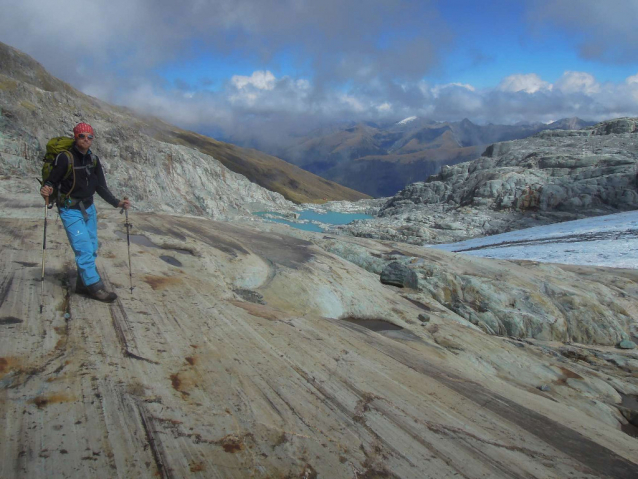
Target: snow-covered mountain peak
[[406, 120]]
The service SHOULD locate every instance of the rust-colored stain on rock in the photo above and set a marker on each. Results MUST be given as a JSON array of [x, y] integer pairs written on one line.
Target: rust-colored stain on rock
[[182, 382], [7, 364], [567, 374], [232, 444], [161, 282], [198, 467], [47, 400], [261, 311], [570, 374], [310, 473], [175, 381], [191, 360]]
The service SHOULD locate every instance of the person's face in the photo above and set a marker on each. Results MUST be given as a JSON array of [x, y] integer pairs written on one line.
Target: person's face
[[84, 141]]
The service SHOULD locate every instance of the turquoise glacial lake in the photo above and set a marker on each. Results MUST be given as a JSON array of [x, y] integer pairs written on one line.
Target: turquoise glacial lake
[[331, 218]]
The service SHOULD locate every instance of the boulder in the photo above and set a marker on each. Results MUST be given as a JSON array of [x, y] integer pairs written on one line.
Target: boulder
[[626, 344], [397, 274], [630, 414]]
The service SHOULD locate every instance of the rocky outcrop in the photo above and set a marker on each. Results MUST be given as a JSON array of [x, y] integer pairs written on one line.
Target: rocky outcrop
[[520, 299], [156, 176], [553, 176], [381, 159]]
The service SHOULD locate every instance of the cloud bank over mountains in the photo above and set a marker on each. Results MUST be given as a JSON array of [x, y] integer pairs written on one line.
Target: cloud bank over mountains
[[262, 106], [316, 62]]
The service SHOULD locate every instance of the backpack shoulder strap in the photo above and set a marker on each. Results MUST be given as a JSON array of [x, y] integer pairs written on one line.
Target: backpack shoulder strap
[[69, 169]]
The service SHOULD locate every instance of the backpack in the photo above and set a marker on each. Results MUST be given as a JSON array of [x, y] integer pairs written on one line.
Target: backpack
[[55, 146]]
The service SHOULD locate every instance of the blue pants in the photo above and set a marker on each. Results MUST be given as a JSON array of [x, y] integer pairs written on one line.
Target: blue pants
[[82, 235]]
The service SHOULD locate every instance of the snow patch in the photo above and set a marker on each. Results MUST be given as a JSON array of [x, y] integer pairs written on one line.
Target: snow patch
[[610, 240], [406, 120]]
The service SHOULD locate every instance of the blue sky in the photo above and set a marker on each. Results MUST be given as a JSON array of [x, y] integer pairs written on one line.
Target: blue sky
[[499, 33], [265, 71], [492, 40]]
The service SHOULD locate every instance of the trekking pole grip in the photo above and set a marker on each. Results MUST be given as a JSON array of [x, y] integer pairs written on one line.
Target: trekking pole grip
[[123, 209]]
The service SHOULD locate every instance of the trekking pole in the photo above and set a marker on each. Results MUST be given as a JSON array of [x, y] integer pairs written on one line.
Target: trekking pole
[[47, 207], [128, 244]]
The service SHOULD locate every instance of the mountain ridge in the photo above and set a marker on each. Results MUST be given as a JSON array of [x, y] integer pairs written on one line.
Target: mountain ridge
[[20, 108], [334, 152], [553, 176]]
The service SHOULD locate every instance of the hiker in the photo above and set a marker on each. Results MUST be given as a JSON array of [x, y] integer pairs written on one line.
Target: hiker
[[76, 208]]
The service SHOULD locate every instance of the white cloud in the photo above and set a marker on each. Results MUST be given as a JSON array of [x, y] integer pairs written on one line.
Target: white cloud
[[261, 80], [577, 82], [528, 83], [436, 90], [264, 108], [355, 105], [302, 84], [263, 92], [632, 79], [631, 85]]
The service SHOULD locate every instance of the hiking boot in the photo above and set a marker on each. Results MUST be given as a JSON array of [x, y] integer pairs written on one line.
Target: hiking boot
[[98, 291], [80, 288]]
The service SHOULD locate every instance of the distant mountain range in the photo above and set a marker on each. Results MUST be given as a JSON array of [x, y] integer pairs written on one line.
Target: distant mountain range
[[381, 159]]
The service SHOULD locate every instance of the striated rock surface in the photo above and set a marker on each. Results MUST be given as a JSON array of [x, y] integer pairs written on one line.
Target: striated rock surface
[[554, 176], [249, 356]]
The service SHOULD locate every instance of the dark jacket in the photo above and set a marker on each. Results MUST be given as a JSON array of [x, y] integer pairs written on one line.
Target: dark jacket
[[89, 178]]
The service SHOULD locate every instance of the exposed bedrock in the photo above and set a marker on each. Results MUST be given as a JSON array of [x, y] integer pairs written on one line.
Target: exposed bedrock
[[551, 177], [250, 355], [519, 299]]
